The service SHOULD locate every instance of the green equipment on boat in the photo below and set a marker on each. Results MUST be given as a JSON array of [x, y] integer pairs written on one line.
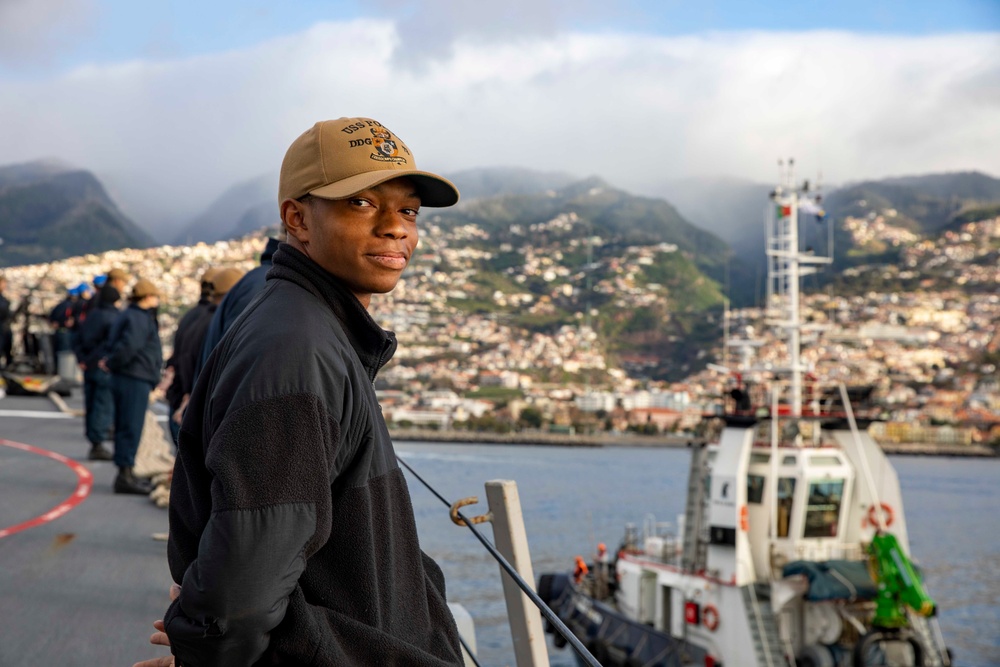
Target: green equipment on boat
[[898, 583]]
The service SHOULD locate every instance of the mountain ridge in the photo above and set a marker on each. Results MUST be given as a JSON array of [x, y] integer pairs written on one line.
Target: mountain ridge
[[49, 211]]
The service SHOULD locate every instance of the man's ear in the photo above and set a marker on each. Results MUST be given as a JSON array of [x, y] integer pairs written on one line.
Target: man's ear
[[293, 218]]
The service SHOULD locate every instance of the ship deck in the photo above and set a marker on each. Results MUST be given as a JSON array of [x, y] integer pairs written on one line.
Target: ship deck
[[84, 587]]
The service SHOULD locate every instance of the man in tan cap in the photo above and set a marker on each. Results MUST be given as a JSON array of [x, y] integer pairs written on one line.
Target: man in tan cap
[[236, 300], [291, 528], [176, 364], [134, 357], [118, 279], [190, 336]]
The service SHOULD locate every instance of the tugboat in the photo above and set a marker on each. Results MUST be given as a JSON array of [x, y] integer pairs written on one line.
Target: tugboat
[[793, 547]]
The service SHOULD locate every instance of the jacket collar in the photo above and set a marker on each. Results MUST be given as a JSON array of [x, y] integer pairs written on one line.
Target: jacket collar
[[373, 344], [269, 250]]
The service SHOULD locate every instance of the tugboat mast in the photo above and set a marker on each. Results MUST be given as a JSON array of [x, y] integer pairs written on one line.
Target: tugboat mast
[[787, 264]]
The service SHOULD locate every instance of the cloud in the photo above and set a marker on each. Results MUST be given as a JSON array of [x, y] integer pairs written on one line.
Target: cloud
[[429, 29], [634, 109], [33, 30]]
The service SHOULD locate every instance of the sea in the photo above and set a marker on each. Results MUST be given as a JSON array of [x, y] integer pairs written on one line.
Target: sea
[[574, 497]]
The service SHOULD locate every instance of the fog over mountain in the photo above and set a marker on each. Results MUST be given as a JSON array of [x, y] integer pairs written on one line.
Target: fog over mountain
[[241, 209]]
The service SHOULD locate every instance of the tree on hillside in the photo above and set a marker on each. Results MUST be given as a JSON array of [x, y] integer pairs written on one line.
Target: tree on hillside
[[531, 417]]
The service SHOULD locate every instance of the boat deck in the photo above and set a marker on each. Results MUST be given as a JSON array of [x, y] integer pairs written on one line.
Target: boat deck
[[82, 588]]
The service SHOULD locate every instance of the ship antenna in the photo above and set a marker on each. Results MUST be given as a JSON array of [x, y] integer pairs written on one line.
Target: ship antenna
[[787, 265]]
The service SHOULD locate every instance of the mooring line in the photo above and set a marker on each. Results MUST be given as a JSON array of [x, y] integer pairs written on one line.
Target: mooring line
[[550, 615]]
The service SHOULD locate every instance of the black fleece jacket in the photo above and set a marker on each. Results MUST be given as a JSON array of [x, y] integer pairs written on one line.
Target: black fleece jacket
[[291, 528], [188, 339]]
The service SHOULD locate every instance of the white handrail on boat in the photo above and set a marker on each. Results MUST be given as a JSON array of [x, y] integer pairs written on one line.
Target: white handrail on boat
[[856, 435], [773, 459], [761, 630], [789, 649], [938, 638], [511, 540]]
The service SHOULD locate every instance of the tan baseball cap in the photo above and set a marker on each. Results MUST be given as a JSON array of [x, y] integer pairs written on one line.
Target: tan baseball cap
[[144, 288], [335, 159], [209, 275], [224, 280]]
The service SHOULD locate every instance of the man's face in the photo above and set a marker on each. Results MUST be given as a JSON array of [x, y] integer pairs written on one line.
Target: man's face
[[366, 240]]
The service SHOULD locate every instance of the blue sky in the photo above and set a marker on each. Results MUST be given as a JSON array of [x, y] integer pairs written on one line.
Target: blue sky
[[171, 103]]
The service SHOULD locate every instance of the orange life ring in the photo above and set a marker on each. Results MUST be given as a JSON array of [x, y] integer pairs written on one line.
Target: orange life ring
[[886, 514], [710, 617], [744, 518]]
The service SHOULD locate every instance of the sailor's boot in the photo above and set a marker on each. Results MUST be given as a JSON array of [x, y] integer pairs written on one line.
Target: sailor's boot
[[99, 452], [127, 482]]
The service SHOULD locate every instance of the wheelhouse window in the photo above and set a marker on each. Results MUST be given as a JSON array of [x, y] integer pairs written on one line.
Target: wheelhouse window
[[823, 508], [755, 489], [786, 494]]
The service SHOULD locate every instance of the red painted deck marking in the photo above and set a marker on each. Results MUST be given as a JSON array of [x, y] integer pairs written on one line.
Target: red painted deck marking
[[84, 482]]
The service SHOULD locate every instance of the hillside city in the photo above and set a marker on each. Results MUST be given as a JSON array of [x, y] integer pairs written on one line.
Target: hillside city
[[931, 351]]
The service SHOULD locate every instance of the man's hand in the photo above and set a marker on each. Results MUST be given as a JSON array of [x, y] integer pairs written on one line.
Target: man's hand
[[178, 416], [166, 379], [159, 638]]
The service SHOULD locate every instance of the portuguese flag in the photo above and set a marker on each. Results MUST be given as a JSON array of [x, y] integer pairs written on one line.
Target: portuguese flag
[[783, 211]]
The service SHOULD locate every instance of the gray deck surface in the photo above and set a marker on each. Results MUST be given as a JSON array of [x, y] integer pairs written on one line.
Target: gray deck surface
[[84, 588]]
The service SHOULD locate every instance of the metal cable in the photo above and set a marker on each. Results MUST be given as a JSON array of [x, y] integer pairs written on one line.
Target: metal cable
[[550, 615], [468, 651]]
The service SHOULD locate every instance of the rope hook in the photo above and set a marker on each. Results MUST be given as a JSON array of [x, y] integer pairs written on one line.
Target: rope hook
[[471, 500]]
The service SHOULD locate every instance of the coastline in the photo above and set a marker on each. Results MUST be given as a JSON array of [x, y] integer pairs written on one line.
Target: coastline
[[630, 440], [539, 438], [925, 449]]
